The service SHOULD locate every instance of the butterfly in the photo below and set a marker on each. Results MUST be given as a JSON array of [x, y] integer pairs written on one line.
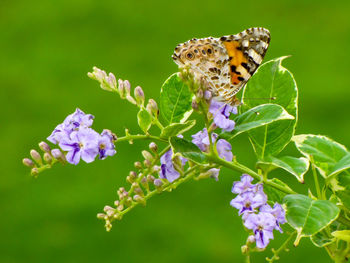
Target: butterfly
[[226, 63]]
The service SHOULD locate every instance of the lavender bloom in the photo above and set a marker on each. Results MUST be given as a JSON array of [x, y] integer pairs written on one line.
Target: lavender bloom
[[248, 202], [221, 113], [224, 150], [278, 212], [167, 170], [245, 185], [81, 144], [262, 225], [72, 122], [106, 145]]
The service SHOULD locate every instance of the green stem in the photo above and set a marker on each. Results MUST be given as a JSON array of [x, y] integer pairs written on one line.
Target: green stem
[[243, 169], [140, 137], [283, 247], [317, 184]]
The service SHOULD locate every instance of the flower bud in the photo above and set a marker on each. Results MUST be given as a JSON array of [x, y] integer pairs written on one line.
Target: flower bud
[[251, 239], [207, 95], [120, 208], [156, 168], [152, 107], [108, 225], [138, 165], [194, 105], [34, 172], [107, 208], [144, 183], [244, 249], [58, 155], [139, 95], [128, 201], [139, 199], [127, 86], [139, 191], [121, 89], [150, 178], [131, 177], [147, 156], [112, 82], [28, 162], [199, 94], [153, 147], [44, 147], [36, 157], [116, 203], [47, 158], [101, 216], [147, 163], [158, 184]]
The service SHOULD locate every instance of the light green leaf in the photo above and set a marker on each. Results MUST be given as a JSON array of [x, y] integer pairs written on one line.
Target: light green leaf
[[144, 120], [325, 152], [175, 100], [187, 150], [272, 80], [177, 128], [296, 166], [342, 165], [257, 117], [321, 239], [309, 216]]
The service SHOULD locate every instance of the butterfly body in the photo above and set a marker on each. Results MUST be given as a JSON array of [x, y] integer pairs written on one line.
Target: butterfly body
[[226, 63]]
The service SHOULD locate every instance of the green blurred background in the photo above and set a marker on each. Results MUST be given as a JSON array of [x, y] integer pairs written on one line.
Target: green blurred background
[[46, 49]]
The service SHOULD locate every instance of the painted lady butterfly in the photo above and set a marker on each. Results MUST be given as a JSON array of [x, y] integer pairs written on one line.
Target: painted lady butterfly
[[226, 63]]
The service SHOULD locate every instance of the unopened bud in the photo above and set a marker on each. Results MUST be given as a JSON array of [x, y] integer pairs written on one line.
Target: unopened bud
[[121, 89], [131, 178], [152, 107], [156, 168], [139, 95], [36, 157], [139, 191], [138, 165], [47, 158], [144, 183], [58, 155], [28, 162], [207, 95], [112, 82], [147, 163], [127, 86], [244, 249], [139, 199], [101, 216], [34, 172], [128, 201], [194, 105], [116, 203], [251, 239], [158, 184], [108, 225], [44, 147], [150, 178], [153, 147], [199, 94], [147, 155], [107, 208], [120, 208]]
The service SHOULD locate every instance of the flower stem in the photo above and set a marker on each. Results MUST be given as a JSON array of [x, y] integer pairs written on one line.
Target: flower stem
[[140, 137], [317, 184]]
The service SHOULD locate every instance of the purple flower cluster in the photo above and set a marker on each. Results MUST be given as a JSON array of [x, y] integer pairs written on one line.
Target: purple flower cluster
[[221, 113], [167, 169], [257, 215], [80, 141]]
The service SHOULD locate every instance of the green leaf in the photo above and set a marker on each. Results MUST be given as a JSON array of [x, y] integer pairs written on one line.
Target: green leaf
[[321, 239], [342, 165], [144, 120], [187, 150], [325, 152], [296, 166], [257, 117], [341, 187], [309, 216], [272, 80], [177, 128], [274, 194], [175, 100]]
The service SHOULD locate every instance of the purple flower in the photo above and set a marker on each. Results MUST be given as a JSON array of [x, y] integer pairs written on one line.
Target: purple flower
[[248, 202], [221, 113], [224, 150], [262, 225], [245, 185], [201, 139], [167, 170], [72, 122], [81, 144], [278, 212], [106, 145]]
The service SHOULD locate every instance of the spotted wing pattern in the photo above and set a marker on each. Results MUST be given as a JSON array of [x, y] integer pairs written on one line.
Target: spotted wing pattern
[[226, 63]]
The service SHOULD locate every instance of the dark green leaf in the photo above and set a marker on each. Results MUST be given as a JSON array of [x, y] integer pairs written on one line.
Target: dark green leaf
[[177, 128], [309, 216], [272, 81], [325, 152], [257, 117], [175, 100], [321, 239], [144, 120], [187, 149]]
